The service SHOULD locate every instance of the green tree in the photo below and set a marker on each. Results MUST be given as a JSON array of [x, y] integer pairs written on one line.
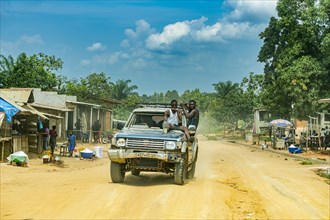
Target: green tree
[[252, 87], [122, 90], [121, 112], [202, 99], [295, 53], [171, 95], [229, 103], [91, 88], [6, 70], [36, 71]]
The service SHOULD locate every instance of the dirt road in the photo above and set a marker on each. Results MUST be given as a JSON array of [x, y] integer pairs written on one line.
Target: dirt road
[[232, 182]]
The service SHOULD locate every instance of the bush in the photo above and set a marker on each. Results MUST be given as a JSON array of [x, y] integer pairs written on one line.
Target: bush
[[306, 162], [323, 173]]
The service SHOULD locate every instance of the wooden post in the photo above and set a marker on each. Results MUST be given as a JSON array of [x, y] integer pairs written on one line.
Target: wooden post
[[91, 125], [318, 132]]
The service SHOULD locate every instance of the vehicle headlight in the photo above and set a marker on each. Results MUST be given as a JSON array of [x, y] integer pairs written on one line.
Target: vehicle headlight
[[170, 145], [121, 142], [113, 141]]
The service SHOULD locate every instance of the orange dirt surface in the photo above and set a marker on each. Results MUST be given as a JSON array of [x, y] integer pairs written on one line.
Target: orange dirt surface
[[232, 181]]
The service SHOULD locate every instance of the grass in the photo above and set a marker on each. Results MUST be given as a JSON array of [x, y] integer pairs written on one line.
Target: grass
[[306, 162], [323, 173], [212, 138]]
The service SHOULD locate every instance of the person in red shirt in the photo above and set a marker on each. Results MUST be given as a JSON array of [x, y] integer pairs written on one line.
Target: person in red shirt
[[52, 139]]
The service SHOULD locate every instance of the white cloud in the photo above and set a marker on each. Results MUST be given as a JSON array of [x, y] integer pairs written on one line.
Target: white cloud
[[240, 30], [208, 32], [34, 39], [110, 59], [125, 43], [113, 58], [251, 10], [170, 34], [141, 27], [141, 31], [85, 62], [95, 47], [21, 44], [197, 31]]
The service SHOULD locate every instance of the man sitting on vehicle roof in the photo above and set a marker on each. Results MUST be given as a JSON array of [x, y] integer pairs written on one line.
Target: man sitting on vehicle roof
[[191, 113], [172, 118]]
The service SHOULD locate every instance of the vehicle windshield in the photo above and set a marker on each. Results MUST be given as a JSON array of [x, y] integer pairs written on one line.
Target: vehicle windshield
[[146, 120]]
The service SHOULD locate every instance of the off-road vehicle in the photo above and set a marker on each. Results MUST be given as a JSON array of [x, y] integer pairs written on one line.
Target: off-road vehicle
[[144, 146]]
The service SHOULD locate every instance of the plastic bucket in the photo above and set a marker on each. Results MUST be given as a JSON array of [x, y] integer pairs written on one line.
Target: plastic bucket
[[98, 152]]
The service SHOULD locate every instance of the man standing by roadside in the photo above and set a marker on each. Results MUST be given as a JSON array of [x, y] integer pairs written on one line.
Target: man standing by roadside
[[52, 140], [97, 131], [78, 128], [45, 137]]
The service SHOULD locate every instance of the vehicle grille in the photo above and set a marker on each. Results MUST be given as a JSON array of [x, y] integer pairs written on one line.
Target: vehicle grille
[[145, 144]]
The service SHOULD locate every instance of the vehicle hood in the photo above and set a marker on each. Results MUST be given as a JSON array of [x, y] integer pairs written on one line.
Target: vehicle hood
[[149, 134]]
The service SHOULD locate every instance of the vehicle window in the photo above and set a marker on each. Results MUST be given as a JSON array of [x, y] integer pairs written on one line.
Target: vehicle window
[[147, 119]]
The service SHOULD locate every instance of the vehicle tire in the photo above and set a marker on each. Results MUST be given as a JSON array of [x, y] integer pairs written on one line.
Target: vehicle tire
[[180, 171], [135, 172], [117, 172], [104, 141], [191, 172]]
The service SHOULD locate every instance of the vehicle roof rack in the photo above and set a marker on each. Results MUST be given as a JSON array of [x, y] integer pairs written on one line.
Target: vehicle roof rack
[[156, 105]]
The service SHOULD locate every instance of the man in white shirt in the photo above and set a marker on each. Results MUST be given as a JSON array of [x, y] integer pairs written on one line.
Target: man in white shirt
[[173, 117]]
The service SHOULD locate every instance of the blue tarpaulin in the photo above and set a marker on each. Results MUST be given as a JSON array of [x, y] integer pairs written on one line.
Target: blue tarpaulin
[[8, 109]]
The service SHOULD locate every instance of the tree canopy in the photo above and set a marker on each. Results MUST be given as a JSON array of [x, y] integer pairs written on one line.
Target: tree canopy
[[296, 57], [36, 71]]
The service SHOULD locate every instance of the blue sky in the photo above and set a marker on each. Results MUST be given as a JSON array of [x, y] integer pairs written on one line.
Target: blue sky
[[159, 45]]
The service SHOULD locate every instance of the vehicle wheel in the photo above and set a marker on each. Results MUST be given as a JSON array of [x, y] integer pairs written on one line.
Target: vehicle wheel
[[180, 171], [191, 172], [104, 141], [117, 172], [135, 172]]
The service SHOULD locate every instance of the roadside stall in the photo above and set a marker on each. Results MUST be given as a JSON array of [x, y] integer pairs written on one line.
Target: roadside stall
[[282, 133], [18, 130], [7, 110]]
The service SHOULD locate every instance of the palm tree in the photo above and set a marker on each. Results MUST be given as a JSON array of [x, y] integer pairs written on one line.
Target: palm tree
[[6, 69], [121, 89]]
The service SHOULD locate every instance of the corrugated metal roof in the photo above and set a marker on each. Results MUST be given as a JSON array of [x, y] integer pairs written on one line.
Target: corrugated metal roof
[[83, 103], [34, 111], [24, 109], [43, 113], [49, 99], [51, 107], [18, 94], [10, 101], [52, 116]]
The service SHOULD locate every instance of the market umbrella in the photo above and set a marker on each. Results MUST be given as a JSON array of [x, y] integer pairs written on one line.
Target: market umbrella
[[281, 123]]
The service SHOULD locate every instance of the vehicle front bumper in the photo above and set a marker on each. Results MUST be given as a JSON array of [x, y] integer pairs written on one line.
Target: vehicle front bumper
[[120, 155]]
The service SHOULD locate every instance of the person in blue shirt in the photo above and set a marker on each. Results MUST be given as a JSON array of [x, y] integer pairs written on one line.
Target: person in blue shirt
[[71, 143]]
